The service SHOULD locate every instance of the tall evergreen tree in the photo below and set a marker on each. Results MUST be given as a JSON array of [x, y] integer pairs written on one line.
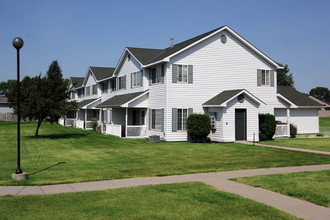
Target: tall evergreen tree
[[284, 78], [45, 97]]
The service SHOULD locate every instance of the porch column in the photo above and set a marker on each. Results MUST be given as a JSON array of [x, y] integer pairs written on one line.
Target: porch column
[[126, 117], [288, 121], [85, 121]]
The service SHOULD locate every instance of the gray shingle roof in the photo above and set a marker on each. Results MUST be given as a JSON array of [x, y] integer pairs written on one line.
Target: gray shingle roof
[[296, 97], [144, 55], [119, 100], [77, 81], [147, 56], [222, 97], [85, 102], [102, 72]]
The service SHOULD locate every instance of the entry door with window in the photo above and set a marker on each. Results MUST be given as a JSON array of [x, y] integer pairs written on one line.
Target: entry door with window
[[240, 124]]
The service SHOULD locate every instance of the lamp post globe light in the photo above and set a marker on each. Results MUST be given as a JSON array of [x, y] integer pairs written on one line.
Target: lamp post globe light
[[18, 44]]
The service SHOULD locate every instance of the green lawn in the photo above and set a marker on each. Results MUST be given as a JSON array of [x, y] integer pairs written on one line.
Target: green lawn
[[311, 186], [322, 144], [174, 201], [325, 126], [66, 154]]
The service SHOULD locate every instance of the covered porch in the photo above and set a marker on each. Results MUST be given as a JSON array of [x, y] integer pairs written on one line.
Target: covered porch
[[86, 112], [125, 115]]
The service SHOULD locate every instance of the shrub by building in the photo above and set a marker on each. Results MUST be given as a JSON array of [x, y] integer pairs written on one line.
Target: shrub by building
[[267, 126], [198, 127]]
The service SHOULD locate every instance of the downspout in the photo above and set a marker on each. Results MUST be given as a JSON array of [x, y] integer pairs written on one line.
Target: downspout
[[166, 107], [126, 116]]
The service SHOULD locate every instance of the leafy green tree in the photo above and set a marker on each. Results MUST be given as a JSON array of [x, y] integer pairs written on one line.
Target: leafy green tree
[[284, 78], [7, 87], [45, 98], [322, 93]]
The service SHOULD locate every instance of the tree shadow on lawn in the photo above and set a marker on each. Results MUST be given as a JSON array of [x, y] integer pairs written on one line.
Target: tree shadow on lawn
[[58, 136], [54, 165]]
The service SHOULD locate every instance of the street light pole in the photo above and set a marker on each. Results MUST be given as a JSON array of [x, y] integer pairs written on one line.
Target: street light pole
[[18, 44]]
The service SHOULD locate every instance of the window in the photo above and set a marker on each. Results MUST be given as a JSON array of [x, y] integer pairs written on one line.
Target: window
[[122, 83], [80, 93], [156, 119], [104, 87], [265, 77], [182, 73], [182, 119], [88, 91], [157, 75], [113, 85], [94, 89], [136, 79]]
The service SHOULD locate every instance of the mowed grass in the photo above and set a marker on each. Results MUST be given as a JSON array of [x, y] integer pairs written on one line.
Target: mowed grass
[[321, 144], [312, 143], [310, 186], [174, 201], [325, 126], [66, 154]]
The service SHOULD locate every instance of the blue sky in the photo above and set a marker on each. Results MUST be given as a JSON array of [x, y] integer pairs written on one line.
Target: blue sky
[[94, 33]]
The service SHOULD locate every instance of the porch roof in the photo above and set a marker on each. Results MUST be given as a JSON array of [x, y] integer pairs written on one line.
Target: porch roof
[[297, 98], [85, 102], [121, 100], [224, 97]]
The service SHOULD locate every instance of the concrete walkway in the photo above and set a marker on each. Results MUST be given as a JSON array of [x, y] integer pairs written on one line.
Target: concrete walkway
[[286, 148], [219, 180]]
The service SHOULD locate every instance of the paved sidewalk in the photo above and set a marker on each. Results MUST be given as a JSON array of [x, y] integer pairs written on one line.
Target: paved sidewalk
[[219, 180], [286, 148]]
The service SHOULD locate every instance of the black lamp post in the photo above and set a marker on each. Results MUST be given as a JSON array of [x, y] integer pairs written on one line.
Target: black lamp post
[[18, 44]]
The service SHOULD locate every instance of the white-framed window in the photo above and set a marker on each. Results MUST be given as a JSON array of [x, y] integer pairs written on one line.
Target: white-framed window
[[265, 77], [122, 82], [156, 119], [80, 93], [88, 91], [113, 86], [182, 116], [157, 75], [94, 89], [182, 73], [136, 79], [104, 87]]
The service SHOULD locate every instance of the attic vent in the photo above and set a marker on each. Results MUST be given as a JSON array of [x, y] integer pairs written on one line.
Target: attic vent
[[241, 98], [129, 57], [223, 39], [172, 42]]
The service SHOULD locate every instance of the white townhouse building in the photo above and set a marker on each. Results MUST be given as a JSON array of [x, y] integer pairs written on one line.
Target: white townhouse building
[[153, 91]]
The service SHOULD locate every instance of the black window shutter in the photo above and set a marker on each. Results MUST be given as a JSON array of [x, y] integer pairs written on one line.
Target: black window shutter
[[272, 78], [174, 119], [190, 74], [162, 119], [174, 73], [258, 77]]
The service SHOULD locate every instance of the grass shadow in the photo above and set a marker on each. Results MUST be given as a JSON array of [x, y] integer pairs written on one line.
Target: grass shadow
[[59, 136], [54, 165]]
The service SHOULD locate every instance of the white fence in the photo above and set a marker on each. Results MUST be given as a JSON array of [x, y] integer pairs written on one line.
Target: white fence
[[61, 121], [282, 130], [136, 131], [113, 129], [8, 117], [80, 124], [70, 122]]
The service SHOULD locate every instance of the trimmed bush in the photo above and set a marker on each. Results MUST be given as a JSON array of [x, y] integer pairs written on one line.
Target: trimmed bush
[[267, 126], [198, 127], [293, 131], [94, 123]]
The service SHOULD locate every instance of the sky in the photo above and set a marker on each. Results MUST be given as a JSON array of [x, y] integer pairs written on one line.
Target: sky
[[80, 33]]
